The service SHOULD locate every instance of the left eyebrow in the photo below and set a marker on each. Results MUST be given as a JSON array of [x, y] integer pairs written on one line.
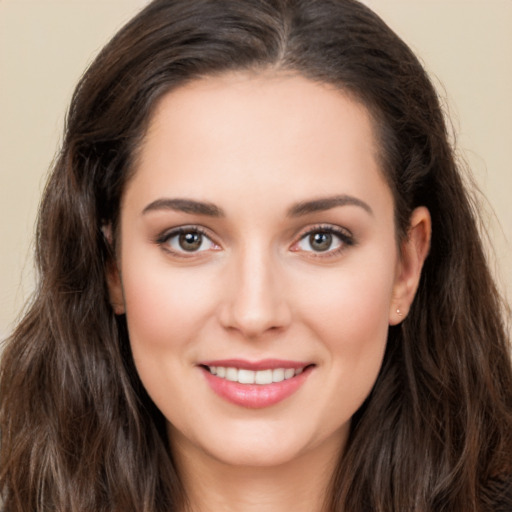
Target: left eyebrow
[[326, 203]]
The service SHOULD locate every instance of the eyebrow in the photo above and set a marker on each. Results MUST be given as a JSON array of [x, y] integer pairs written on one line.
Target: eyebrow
[[326, 203], [185, 206], [211, 210]]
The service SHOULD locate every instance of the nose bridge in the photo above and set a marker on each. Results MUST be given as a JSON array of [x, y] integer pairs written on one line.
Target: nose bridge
[[256, 302]]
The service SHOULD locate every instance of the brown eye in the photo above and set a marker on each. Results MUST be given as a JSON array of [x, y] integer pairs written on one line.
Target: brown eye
[[320, 241], [187, 241], [191, 241], [328, 241]]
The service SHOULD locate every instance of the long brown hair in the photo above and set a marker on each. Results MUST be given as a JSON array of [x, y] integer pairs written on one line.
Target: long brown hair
[[78, 431]]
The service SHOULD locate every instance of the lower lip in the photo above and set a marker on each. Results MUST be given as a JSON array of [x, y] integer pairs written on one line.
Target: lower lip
[[255, 396]]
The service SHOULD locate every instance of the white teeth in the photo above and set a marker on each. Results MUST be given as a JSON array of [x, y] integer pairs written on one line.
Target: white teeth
[[254, 377], [278, 375], [263, 377], [246, 376], [232, 374], [289, 373]]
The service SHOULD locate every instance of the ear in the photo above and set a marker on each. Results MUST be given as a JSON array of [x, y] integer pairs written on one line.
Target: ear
[[413, 252], [113, 276]]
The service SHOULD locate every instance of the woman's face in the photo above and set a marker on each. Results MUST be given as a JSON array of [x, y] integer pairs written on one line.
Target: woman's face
[[258, 266]]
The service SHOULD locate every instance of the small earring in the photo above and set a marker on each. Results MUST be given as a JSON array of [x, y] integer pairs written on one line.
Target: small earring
[[398, 312]]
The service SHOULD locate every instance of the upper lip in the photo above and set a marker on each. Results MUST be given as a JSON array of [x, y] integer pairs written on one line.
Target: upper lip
[[263, 364]]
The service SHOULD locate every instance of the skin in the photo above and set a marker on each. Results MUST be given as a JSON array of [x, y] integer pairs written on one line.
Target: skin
[[257, 146]]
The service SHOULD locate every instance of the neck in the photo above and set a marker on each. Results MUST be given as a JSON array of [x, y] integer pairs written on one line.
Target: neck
[[299, 485]]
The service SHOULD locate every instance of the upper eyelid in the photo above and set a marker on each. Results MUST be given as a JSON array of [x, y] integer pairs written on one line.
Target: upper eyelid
[[166, 234], [338, 230], [345, 236], [163, 241], [176, 230]]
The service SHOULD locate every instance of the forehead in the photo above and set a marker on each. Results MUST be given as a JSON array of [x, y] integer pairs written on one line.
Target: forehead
[[250, 132], [247, 100]]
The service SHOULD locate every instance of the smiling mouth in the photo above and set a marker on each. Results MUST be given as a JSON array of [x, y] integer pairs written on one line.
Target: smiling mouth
[[261, 377], [255, 385]]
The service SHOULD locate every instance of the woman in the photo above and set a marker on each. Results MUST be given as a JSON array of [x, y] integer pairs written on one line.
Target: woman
[[261, 282]]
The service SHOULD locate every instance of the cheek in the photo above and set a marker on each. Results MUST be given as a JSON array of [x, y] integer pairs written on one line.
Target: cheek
[[351, 305], [354, 328], [164, 307], [166, 312], [348, 312]]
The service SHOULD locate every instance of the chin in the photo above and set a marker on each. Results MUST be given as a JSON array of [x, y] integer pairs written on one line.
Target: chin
[[256, 455], [265, 444]]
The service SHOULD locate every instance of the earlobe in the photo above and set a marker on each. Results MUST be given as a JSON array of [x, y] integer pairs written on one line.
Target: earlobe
[[115, 290], [414, 251], [112, 275]]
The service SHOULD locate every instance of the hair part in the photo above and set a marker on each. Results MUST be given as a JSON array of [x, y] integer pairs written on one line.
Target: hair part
[[78, 429]]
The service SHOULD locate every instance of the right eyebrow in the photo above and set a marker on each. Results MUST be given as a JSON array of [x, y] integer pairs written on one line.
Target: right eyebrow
[[185, 206]]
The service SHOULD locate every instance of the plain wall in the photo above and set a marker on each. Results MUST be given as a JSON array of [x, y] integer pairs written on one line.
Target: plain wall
[[45, 46]]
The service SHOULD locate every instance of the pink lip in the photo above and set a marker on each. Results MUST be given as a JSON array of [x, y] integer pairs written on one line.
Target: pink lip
[[256, 396], [264, 364]]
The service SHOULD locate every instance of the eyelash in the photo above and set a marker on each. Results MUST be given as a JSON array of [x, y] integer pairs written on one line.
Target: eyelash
[[344, 236], [163, 239]]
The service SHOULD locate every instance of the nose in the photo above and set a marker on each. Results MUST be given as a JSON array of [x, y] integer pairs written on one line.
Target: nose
[[255, 300]]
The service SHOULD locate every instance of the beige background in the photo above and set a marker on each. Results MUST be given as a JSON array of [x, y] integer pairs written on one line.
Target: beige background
[[45, 46]]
